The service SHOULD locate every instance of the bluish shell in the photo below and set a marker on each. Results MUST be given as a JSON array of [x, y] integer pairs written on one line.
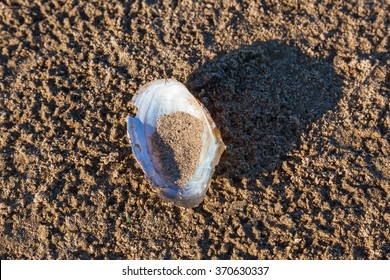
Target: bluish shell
[[163, 97]]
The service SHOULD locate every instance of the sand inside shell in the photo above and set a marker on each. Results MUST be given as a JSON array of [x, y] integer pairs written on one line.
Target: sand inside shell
[[177, 143]]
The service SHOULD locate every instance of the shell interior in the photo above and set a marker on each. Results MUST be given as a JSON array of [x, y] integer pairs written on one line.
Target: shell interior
[[164, 97]]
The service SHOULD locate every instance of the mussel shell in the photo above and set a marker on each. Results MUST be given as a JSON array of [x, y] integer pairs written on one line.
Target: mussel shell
[[164, 97]]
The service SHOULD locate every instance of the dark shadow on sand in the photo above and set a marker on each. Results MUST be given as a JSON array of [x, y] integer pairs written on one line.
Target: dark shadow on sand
[[262, 98]]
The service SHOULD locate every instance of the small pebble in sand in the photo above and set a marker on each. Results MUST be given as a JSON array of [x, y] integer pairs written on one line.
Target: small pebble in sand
[[177, 143]]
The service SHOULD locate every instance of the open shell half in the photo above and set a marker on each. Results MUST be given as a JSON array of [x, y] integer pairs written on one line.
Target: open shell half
[[164, 98]]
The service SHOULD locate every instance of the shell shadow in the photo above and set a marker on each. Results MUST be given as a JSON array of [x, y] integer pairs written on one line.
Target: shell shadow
[[262, 98]]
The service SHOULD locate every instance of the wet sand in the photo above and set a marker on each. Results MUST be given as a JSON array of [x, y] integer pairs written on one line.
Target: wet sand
[[300, 93]]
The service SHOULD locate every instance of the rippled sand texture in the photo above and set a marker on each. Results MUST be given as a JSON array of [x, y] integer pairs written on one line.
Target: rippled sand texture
[[300, 93]]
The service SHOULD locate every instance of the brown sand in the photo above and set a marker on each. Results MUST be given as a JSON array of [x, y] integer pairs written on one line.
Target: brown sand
[[298, 89], [178, 143]]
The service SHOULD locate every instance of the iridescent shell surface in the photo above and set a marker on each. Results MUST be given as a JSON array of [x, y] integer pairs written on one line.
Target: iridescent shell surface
[[164, 97]]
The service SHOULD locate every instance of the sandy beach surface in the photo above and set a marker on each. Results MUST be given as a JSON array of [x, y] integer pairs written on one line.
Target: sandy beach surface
[[298, 89]]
